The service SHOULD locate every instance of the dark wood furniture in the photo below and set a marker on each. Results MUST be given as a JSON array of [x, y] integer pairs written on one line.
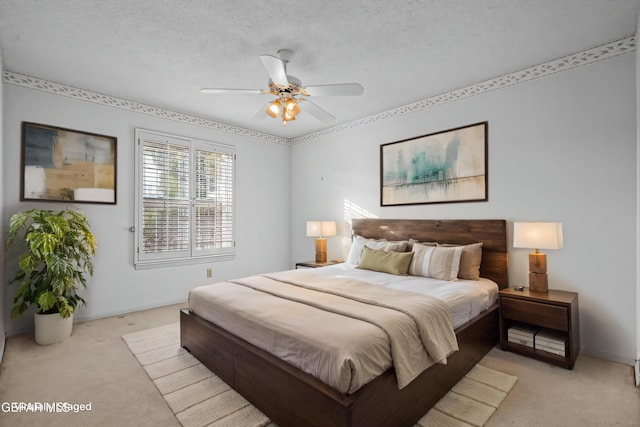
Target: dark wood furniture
[[557, 310], [315, 264], [291, 397]]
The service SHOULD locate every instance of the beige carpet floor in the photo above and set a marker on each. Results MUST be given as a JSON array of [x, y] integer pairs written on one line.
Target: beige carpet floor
[[96, 366], [199, 398]]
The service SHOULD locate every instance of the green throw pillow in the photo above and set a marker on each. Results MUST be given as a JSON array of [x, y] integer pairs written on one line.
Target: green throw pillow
[[385, 262]]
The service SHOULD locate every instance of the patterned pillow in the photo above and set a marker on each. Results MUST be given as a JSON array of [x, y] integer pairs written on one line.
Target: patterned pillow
[[437, 262], [470, 261], [414, 241]]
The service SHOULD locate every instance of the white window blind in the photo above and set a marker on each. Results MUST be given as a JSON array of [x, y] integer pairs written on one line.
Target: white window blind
[[184, 199]]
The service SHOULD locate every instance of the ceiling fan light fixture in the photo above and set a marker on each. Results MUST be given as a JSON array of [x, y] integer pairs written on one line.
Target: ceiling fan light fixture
[[291, 107], [287, 117], [273, 109], [285, 88]]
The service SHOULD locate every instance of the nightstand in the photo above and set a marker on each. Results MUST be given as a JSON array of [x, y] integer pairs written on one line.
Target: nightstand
[[555, 311], [314, 264]]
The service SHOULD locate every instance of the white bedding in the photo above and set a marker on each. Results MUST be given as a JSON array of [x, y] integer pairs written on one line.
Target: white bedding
[[465, 298], [325, 347]]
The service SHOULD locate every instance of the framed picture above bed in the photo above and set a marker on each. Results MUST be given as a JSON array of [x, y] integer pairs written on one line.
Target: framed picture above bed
[[442, 167], [64, 165]]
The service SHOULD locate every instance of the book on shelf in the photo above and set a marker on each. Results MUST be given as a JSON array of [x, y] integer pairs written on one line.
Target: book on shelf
[[523, 330], [551, 350], [522, 334], [551, 339]]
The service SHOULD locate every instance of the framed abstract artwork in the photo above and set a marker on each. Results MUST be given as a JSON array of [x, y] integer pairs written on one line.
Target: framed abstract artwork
[[64, 165], [442, 167]]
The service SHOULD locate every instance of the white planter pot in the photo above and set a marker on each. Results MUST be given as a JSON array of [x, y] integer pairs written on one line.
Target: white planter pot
[[52, 328]]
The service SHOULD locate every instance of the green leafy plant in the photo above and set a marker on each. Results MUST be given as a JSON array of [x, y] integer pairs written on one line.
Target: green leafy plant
[[58, 255]]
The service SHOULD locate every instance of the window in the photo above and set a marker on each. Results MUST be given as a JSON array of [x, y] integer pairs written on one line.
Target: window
[[184, 200]]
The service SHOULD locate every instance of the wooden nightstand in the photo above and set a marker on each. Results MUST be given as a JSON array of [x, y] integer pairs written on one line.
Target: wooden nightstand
[[555, 310], [314, 264]]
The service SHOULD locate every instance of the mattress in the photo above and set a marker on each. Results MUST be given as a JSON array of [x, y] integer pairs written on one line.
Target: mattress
[[313, 332], [465, 298]]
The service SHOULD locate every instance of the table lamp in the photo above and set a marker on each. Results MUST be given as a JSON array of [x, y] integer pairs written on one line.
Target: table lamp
[[538, 235], [321, 229]]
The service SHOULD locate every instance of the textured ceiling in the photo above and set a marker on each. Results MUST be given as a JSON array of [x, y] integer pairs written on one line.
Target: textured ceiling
[[161, 52]]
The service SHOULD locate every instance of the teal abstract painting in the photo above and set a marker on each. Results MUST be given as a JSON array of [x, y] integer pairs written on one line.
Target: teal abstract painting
[[442, 167]]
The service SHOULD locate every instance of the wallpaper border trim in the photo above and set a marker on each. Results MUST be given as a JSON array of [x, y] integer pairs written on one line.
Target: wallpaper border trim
[[565, 63], [110, 101]]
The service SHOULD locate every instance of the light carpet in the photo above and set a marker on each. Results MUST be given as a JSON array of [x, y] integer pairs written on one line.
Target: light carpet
[[199, 398]]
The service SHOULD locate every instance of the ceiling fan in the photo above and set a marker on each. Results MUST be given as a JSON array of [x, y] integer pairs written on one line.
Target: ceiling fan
[[289, 91]]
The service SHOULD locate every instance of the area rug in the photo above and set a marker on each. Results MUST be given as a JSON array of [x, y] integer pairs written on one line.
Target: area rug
[[199, 398]]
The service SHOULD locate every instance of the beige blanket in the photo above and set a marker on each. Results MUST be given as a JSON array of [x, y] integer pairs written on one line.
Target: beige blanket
[[342, 331]]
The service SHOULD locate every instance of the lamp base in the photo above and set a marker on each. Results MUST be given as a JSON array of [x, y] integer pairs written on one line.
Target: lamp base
[[538, 282], [321, 249], [538, 262]]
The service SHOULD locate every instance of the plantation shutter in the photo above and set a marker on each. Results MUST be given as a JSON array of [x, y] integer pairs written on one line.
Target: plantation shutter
[[213, 200], [185, 199]]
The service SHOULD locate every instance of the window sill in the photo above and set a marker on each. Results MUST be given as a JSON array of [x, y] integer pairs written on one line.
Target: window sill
[[160, 263]]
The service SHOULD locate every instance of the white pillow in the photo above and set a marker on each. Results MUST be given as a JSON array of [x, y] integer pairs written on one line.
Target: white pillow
[[437, 262], [358, 244]]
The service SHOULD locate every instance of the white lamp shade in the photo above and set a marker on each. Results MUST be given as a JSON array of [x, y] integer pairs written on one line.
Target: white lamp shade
[[321, 228], [537, 235]]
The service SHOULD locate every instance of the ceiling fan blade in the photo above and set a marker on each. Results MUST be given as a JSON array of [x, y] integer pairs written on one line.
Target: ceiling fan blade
[[229, 91], [275, 68], [343, 89], [317, 112], [261, 113]]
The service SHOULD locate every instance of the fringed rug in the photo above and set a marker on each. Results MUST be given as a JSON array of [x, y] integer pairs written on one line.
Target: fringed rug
[[199, 398]]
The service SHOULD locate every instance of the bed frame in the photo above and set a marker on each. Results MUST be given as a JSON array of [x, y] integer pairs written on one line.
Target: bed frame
[[291, 397]]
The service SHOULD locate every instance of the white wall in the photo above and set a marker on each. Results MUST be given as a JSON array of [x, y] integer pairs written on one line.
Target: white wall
[[262, 220], [561, 148], [638, 211], [2, 310]]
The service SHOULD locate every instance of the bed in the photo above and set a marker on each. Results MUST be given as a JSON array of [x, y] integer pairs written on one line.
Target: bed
[[292, 397]]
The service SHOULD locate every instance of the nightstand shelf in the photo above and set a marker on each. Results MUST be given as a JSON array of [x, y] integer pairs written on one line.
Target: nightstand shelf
[[537, 354], [555, 310]]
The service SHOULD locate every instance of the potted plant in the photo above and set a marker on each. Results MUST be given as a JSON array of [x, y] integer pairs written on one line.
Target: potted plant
[[58, 254]]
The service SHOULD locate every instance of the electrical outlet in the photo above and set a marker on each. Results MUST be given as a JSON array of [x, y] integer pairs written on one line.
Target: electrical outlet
[[209, 273]]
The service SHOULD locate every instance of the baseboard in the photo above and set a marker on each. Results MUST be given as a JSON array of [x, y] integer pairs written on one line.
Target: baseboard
[[79, 318], [27, 326], [637, 371], [608, 356]]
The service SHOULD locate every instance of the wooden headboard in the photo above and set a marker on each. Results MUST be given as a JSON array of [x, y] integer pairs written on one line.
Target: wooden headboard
[[491, 232]]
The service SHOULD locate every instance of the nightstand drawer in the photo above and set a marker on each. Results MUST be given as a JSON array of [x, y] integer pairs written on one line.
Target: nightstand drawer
[[545, 315]]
